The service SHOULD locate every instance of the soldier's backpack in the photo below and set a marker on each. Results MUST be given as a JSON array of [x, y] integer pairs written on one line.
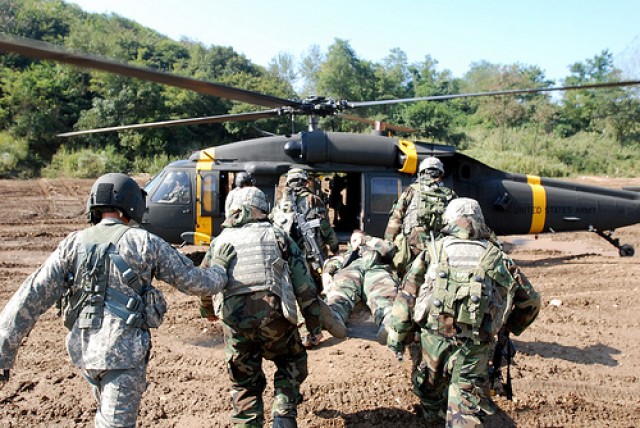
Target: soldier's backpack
[[468, 282]]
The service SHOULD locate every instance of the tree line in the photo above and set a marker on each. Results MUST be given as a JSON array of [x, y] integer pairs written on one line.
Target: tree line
[[577, 131]]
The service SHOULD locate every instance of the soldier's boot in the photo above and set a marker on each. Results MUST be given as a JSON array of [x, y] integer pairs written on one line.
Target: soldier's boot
[[331, 321], [284, 422], [430, 418], [383, 330]]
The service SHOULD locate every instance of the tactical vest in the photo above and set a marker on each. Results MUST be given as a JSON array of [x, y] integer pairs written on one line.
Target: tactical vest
[[459, 286], [89, 294], [425, 208], [258, 265]]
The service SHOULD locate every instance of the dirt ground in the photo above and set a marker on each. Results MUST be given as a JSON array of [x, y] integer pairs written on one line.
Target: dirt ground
[[577, 366]]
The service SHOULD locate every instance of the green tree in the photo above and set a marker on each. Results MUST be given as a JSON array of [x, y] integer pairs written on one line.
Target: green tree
[[308, 71], [283, 67], [585, 110], [434, 119], [41, 101]]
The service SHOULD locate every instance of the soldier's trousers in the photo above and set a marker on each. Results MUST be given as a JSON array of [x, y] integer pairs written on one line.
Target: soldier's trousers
[[118, 393], [278, 341], [452, 377], [375, 286]]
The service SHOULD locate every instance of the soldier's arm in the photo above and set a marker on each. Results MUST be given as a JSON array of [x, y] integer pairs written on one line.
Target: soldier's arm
[[318, 210], [329, 235], [34, 297], [394, 226], [176, 269], [385, 248], [333, 265], [303, 286], [526, 301], [206, 302], [402, 311]]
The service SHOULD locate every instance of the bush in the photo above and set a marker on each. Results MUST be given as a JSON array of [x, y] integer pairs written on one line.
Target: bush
[[152, 165], [85, 163], [13, 153], [532, 151]]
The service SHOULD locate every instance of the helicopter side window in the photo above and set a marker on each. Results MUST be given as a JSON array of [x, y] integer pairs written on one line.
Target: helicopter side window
[[384, 192], [174, 189]]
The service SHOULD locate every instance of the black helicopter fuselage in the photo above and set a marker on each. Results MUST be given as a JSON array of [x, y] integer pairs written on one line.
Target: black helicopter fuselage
[[365, 174]]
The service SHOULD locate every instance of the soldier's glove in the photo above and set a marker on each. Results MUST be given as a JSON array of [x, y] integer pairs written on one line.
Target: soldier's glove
[[223, 255], [4, 376]]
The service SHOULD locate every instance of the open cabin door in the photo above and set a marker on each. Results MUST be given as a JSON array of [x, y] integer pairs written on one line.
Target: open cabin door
[[380, 191], [208, 206]]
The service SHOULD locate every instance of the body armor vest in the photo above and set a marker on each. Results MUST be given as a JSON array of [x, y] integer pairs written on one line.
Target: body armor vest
[[258, 265], [458, 286], [89, 292]]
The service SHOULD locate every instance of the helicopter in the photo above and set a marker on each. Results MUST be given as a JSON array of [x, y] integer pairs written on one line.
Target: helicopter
[[365, 174]]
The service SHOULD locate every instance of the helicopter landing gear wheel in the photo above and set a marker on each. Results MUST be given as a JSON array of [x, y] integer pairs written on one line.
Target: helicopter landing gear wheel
[[626, 250]]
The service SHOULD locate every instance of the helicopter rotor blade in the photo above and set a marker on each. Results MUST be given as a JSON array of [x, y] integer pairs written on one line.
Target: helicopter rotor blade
[[45, 51], [178, 122], [376, 123], [492, 93]]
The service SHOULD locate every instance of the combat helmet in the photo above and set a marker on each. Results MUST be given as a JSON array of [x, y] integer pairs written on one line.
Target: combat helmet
[[243, 179], [296, 177], [463, 207], [431, 166], [251, 197], [117, 191]]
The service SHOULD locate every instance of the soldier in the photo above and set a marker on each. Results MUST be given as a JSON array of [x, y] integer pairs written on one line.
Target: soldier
[[266, 280], [103, 275], [362, 274], [418, 213], [461, 290], [242, 180], [298, 199], [302, 215]]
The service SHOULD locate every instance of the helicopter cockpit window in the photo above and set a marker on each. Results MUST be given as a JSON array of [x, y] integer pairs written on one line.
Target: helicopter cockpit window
[[384, 192], [174, 189]]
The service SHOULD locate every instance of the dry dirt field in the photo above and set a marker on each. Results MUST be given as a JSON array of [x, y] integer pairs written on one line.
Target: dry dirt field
[[577, 366]]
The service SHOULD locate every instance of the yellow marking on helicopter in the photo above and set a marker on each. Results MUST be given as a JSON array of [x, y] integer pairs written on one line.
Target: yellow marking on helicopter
[[204, 202], [538, 205], [409, 149]]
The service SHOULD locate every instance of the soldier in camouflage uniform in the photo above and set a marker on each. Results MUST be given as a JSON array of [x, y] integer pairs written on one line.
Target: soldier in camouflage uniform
[[104, 273], [461, 290], [312, 207], [418, 213], [313, 210], [242, 180], [266, 281], [362, 275]]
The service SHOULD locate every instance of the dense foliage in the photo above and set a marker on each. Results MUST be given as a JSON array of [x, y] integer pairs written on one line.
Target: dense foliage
[[591, 131]]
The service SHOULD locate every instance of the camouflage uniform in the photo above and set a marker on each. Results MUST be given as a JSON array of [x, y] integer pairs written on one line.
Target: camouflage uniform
[[414, 215], [313, 208], [259, 317], [114, 356], [363, 275], [460, 291]]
